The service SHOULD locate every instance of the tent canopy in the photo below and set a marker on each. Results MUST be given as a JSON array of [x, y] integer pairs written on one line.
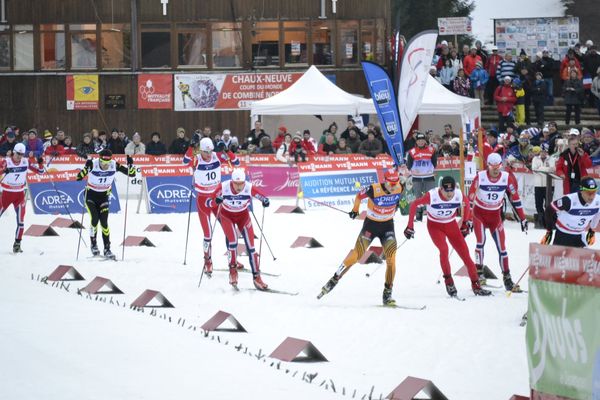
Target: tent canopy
[[438, 100], [313, 94]]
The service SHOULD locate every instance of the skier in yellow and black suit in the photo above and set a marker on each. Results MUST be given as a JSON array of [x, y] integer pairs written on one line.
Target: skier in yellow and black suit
[[382, 204], [184, 88]]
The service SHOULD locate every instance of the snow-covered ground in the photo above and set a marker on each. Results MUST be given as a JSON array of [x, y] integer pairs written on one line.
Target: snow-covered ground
[[58, 345], [486, 10]]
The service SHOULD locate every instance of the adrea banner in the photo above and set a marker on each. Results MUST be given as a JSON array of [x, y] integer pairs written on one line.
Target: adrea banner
[[82, 92], [563, 339], [65, 196]]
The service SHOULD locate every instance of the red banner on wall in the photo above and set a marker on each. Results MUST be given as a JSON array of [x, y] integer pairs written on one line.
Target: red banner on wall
[[155, 91]]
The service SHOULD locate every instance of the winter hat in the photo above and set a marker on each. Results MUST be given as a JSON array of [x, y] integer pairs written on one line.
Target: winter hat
[[493, 133], [444, 43], [136, 135], [589, 43], [180, 130], [522, 53], [448, 184], [33, 130], [420, 135], [536, 149], [10, 135], [586, 131], [47, 134], [507, 78], [298, 135], [226, 132], [574, 131], [283, 129]]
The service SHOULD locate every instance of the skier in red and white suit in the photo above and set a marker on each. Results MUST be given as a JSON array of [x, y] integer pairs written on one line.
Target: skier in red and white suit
[[14, 169], [487, 195], [442, 204], [207, 175], [233, 198]]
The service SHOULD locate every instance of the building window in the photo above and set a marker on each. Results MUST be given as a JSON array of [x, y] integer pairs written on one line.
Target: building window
[[23, 47], [295, 34], [367, 40], [348, 42], [52, 46], [83, 46], [4, 46], [116, 46], [380, 42], [322, 43], [265, 44], [192, 45], [156, 46], [227, 45]]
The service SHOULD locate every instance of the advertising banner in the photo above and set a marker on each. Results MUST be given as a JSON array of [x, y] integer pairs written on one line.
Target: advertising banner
[[168, 189], [65, 196], [415, 70], [275, 181], [206, 92], [82, 92], [563, 340], [336, 183], [384, 97], [454, 26], [155, 91]]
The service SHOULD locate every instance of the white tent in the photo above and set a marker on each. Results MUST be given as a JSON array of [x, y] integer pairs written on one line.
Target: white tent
[[313, 94], [441, 106]]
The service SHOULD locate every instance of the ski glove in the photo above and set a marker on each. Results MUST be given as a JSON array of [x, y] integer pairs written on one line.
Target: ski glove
[[218, 199], [590, 238], [40, 159], [266, 202], [547, 239], [409, 233], [80, 175], [524, 225], [129, 161], [353, 214], [89, 164], [466, 228]]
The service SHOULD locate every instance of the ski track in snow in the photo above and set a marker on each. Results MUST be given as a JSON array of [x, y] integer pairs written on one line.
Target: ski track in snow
[[57, 345]]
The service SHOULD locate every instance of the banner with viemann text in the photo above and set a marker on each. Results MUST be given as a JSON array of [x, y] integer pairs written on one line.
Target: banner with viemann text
[[563, 339], [384, 97], [65, 196], [232, 91], [336, 183], [415, 69]]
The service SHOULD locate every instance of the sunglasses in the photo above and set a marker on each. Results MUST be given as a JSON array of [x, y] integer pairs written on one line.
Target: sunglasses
[[105, 160]]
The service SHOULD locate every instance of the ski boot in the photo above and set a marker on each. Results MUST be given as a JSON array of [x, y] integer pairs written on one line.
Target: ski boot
[[94, 247], [481, 273], [478, 290], [387, 297], [450, 288], [259, 284], [233, 276], [328, 286], [508, 283], [17, 247], [109, 254], [208, 267]]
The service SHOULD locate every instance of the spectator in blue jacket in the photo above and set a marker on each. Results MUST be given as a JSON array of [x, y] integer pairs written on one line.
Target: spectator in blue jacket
[[34, 145], [479, 78]]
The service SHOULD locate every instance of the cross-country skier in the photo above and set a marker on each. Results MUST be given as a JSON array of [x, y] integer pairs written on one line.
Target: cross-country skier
[[382, 203], [207, 175], [442, 204], [100, 174], [576, 214], [486, 196], [14, 169], [233, 197]]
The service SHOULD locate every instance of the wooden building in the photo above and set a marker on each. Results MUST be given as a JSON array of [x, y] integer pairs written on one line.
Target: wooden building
[[42, 42]]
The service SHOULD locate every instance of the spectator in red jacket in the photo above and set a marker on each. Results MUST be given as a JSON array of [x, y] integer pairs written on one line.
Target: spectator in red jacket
[[278, 141], [55, 149], [572, 165], [470, 61], [299, 149], [309, 143], [491, 65], [505, 98]]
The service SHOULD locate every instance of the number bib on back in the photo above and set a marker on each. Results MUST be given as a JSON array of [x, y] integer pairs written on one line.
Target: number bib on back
[[207, 174], [440, 210], [491, 194]]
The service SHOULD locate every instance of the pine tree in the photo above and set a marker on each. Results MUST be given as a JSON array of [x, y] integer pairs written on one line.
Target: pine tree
[[414, 16], [588, 12]]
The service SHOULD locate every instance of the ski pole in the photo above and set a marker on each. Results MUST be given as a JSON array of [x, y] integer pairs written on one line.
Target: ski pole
[[187, 233], [379, 266], [263, 235], [212, 229], [80, 235], [262, 223], [125, 223], [326, 205], [508, 293]]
